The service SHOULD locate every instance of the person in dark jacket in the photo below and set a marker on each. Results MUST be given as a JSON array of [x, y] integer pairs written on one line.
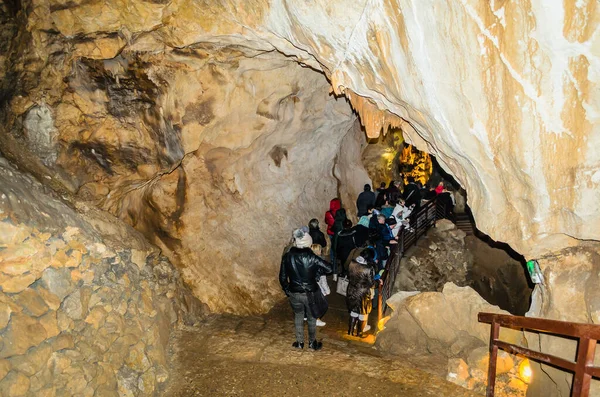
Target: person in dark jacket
[[429, 194], [300, 269], [316, 234], [445, 202], [364, 200], [383, 238], [381, 195], [338, 226], [346, 242], [361, 235], [393, 193], [412, 194]]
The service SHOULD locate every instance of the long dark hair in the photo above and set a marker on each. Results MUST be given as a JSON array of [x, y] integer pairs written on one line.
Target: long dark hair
[[340, 215]]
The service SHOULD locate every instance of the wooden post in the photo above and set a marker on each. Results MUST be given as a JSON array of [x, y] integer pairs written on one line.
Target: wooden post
[[585, 359], [494, 334]]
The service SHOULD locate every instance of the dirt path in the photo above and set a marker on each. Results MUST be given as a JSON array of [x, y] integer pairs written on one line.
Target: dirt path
[[252, 356]]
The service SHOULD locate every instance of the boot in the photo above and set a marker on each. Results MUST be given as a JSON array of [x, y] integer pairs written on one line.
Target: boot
[[315, 345], [351, 325], [298, 345], [363, 327]]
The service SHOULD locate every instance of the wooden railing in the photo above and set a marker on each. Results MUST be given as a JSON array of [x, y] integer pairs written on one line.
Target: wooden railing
[[420, 222], [583, 367]]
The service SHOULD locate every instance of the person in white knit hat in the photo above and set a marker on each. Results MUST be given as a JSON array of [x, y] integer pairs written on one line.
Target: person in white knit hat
[[300, 269]]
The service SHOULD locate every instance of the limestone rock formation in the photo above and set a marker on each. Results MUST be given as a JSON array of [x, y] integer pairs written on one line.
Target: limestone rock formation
[[570, 293], [445, 323], [78, 316], [214, 153], [440, 257], [381, 157], [502, 93], [522, 151], [440, 322]]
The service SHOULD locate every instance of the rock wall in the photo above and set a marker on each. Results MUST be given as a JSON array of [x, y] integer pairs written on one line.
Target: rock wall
[[440, 257], [381, 157], [527, 102], [518, 133], [214, 152], [570, 293], [499, 278], [80, 316], [445, 324], [502, 93], [447, 255]]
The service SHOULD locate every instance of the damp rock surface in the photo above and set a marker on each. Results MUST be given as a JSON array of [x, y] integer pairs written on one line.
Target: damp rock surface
[[445, 254]]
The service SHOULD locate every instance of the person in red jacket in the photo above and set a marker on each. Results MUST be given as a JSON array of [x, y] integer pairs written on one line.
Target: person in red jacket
[[440, 188], [334, 205]]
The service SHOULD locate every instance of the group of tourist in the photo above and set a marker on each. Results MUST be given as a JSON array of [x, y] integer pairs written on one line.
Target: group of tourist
[[356, 252]]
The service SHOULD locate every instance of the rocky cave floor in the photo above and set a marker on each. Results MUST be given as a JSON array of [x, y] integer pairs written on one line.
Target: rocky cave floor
[[252, 356]]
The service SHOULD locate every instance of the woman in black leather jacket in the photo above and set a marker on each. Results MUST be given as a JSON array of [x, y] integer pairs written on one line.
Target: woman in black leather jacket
[[300, 269]]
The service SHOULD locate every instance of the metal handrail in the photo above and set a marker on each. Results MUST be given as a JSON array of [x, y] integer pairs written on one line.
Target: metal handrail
[[583, 366], [420, 222]]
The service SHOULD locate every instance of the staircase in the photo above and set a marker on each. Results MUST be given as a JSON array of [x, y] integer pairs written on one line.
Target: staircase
[[463, 222]]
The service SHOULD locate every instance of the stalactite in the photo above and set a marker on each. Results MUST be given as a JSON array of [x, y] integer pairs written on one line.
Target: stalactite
[[371, 117]]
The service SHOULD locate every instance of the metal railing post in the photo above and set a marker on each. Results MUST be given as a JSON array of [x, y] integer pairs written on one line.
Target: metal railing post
[[583, 367], [585, 358], [494, 334]]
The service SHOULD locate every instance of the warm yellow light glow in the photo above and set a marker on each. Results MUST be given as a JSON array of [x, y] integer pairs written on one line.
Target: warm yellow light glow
[[368, 339], [388, 156], [381, 323], [525, 372], [416, 164]]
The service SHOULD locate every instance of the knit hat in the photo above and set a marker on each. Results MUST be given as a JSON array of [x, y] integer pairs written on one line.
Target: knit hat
[[302, 238]]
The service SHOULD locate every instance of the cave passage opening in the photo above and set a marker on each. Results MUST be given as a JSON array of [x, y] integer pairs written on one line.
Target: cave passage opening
[[493, 269]]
